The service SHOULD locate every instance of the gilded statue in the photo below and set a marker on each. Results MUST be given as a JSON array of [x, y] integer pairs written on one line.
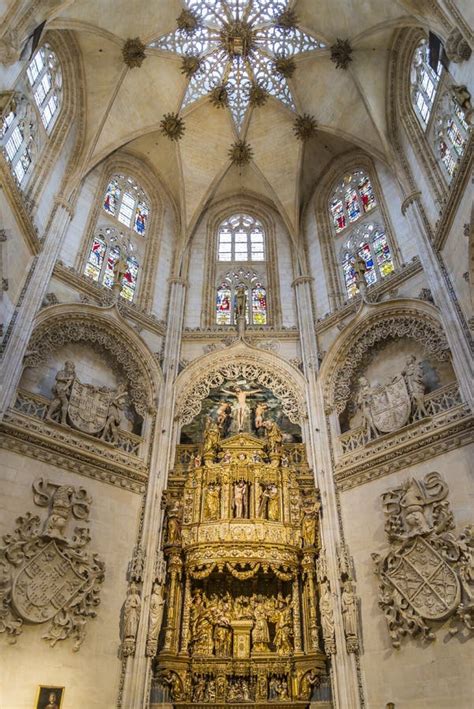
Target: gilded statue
[[173, 529], [240, 499], [222, 634], [274, 437], [413, 374], [260, 631], [309, 522], [283, 625], [212, 502], [242, 409], [268, 507], [211, 439], [62, 391]]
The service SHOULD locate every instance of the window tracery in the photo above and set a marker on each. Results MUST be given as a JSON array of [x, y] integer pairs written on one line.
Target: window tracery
[[424, 81], [256, 298], [18, 137], [125, 200], [241, 238], [45, 79], [451, 133], [109, 247], [369, 241], [352, 199]]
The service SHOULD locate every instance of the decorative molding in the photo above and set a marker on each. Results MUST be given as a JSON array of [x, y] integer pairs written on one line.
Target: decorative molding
[[414, 444]]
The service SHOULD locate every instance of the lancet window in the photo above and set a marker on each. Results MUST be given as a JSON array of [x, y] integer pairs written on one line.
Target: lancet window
[[45, 79], [370, 242], [256, 298], [451, 133], [241, 238], [18, 137], [424, 82], [112, 256], [126, 201]]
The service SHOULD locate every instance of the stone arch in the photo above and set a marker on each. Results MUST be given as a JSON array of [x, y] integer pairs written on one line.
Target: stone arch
[[339, 166], [372, 325], [195, 382], [106, 329]]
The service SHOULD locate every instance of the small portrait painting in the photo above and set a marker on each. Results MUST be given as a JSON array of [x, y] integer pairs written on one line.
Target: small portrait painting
[[49, 697]]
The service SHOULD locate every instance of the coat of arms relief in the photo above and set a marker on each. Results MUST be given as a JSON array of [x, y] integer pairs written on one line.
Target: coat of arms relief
[[47, 576], [427, 576]]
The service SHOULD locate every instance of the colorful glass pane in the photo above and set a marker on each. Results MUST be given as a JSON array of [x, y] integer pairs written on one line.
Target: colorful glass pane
[[112, 197], [382, 255], [352, 205], [141, 216], [338, 216], [349, 275], [446, 157], [455, 136], [259, 305], [129, 281], [114, 254], [366, 193], [223, 305], [96, 257]]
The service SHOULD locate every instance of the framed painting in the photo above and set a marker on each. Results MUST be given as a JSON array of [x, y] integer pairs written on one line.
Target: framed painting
[[49, 697]]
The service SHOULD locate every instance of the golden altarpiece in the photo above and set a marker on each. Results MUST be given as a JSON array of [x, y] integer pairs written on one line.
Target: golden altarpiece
[[241, 617]]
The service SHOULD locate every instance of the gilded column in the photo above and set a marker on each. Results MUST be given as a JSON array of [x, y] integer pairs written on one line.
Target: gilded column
[[186, 613], [309, 570], [296, 615], [172, 625]]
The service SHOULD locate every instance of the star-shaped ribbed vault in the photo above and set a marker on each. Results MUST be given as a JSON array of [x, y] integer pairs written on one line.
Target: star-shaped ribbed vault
[[238, 51]]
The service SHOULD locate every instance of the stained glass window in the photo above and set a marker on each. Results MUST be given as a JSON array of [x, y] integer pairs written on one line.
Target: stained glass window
[[18, 137], [106, 248], [370, 242], [45, 78], [452, 133], [353, 197], [256, 298], [238, 42], [424, 82], [126, 201], [241, 238]]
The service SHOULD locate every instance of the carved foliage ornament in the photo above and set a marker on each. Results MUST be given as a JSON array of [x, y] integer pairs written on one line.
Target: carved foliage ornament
[[189, 404], [426, 576], [412, 325], [47, 576], [51, 336]]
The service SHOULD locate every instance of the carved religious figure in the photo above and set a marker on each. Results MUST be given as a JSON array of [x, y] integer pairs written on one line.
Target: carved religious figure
[[274, 438], [154, 618], [360, 269], [260, 415], [413, 374], [260, 631], [222, 633], [268, 507], [241, 301], [223, 417], [212, 501], [115, 414], [201, 625], [349, 615], [57, 409], [211, 439], [309, 522], [131, 616], [173, 529], [240, 499], [283, 625], [242, 409], [363, 400]]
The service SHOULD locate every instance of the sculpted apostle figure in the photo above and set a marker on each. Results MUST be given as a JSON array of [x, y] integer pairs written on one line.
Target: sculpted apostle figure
[[274, 437], [240, 499], [242, 407], [156, 613], [62, 391], [212, 501], [416, 386], [363, 401], [349, 611], [211, 438], [131, 613]]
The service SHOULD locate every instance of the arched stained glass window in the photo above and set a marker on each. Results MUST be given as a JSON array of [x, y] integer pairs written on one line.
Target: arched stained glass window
[[256, 298], [352, 199], [424, 82], [241, 238], [107, 247], [45, 78], [125, 200], [18, 137], [369, 241]]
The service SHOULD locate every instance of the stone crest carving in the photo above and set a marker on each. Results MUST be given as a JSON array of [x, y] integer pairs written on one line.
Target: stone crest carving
[[426, 576], [93, 410], [46, 576], [390, 405]]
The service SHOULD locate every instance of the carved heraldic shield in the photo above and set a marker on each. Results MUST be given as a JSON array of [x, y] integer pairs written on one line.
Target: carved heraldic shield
[[390, 405], [88, 407]]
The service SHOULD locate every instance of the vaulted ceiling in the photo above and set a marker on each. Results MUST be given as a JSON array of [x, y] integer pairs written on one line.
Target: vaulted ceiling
[[124, 106]]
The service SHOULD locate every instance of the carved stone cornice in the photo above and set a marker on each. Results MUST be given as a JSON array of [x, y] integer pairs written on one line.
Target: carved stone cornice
[[102, 295], [389, 283], [416, 443], [222, 333]]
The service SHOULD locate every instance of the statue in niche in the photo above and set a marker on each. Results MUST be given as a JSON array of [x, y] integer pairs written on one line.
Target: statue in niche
[[274, 438], [199, 689], [309, 522], [240, 499], [279, 689], [211, 438], [413, 374], [201, 625], [364, 399], [260, 631], [173, 529], [154, 619], [115, 414], [242, 408], [349, 615], [131, 616], [57, 410], [283, 625], [222, 633], [239, 690], [268, 507], [172, 680], [212, 502], [241, 301], [308, 681]]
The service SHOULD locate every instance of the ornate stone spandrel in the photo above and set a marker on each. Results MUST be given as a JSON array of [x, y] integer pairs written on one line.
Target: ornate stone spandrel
[[424, 577], [47, 575]]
